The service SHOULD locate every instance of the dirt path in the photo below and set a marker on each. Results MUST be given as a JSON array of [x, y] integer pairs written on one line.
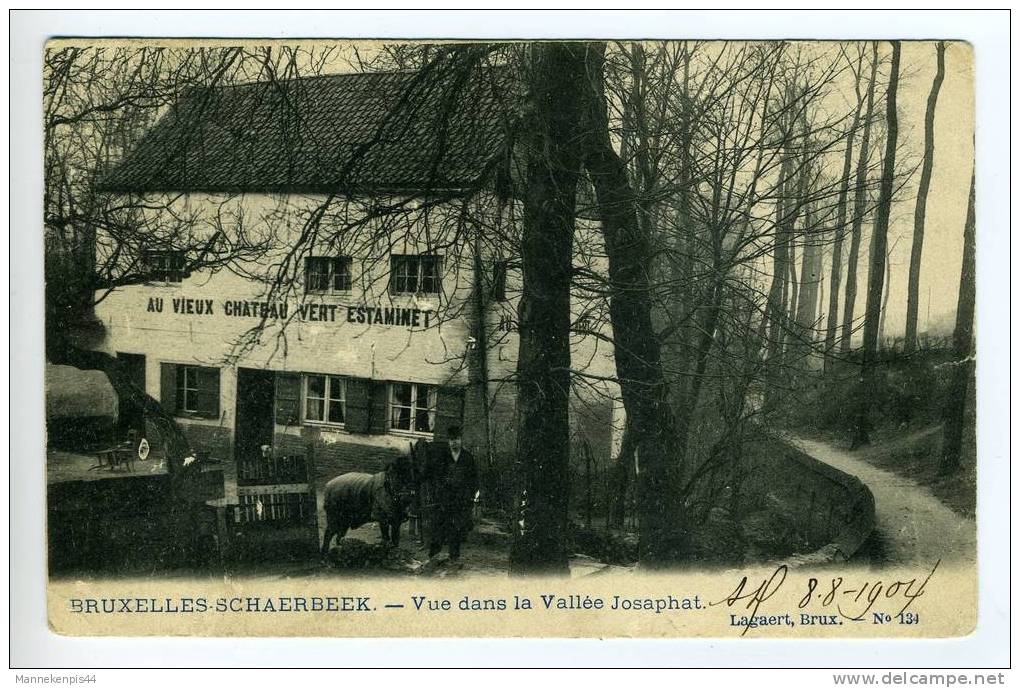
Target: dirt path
[[912, 525]]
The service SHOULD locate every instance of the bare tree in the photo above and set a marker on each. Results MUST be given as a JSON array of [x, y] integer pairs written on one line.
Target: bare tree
[[860, 195], [839, 230], [552, 153], [636, 345], [876, 269], [963, 349], [914, 277]]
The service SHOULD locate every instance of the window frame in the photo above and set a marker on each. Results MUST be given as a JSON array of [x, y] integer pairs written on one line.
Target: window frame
[[183, 389], [405, 266], [168, 270], [336, 266], [327, 400], [497, 285], [433, 409]]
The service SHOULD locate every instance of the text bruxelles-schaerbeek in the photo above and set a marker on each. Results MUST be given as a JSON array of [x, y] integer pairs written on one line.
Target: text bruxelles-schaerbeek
[[253, 604]]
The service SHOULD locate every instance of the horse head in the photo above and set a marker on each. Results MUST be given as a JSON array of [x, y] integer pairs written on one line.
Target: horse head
[[421, 460], [401, 479]]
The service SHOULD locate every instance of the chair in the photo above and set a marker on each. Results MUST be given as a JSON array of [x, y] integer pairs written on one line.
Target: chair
[[122, 454]]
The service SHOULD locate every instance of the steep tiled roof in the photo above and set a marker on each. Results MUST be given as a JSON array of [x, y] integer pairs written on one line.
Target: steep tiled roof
[[352, 132]]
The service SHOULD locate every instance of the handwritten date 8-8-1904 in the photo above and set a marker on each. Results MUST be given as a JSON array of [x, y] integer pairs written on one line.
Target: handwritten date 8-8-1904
[[852, 600]]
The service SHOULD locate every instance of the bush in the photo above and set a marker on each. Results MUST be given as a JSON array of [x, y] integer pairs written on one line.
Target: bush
[[910, 390]]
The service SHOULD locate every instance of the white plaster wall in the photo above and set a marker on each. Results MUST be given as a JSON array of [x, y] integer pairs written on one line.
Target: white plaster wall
[[432, 355]]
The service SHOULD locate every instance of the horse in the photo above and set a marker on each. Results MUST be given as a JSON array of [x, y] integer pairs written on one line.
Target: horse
[[354, 499]]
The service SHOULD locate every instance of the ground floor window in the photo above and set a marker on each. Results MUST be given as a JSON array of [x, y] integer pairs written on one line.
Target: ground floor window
[[412, 407], [187, 389], [325, 399], [190, 390]]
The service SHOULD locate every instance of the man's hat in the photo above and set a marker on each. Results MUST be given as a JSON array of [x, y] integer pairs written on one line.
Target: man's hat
[[453, 432]]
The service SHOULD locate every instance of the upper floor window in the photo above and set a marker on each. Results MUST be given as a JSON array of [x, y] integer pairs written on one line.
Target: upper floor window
[[497, 288], [415, 274], [327, 274], [163, 265], [325, 399]]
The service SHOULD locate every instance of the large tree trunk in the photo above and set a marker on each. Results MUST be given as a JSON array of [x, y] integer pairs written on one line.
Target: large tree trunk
[[963, 347], [553, 163], [876, 270], [885, 299], [777, 308], [619, 479], [836, 273], [914, 278], [636, 345], [860, 196], [810, 280]]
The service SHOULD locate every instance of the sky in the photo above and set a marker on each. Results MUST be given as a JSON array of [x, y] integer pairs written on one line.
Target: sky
[[942, 256]]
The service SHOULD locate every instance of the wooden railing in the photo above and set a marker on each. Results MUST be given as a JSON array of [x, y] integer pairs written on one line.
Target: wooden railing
[[273, 470], [275, 510]]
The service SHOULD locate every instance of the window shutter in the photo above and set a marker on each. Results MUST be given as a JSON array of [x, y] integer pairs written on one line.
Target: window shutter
[[208, 402], [358, 402], [168, 387], [378, 422], [395, 262], [288, 399], [449, 410]]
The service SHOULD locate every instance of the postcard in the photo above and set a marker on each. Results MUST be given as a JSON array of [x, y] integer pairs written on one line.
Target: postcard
[[523, 339]]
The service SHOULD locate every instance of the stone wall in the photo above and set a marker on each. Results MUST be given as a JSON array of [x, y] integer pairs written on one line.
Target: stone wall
[[835, 510]]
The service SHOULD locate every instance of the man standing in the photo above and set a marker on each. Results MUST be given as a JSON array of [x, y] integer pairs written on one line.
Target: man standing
[[454, 479]]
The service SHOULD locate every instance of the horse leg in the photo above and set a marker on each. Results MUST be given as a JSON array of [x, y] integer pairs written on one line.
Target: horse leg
[[330, 532], [395, 533], [384, 528]]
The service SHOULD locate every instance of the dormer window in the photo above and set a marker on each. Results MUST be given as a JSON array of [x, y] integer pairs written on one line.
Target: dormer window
[[327, 274], [163, 265]]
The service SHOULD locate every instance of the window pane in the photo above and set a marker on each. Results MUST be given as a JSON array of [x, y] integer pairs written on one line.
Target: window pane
[[316, 274], [410, 274], [180, 401], [176, 266], [423, 420], [430, 281], [317, 386], [396, 267], [400, 418], [336, 412], [401, 394], [424, 408], [499, 280], [341, 274], [336, 397], [336, 387], [314, 409], [431, 395]]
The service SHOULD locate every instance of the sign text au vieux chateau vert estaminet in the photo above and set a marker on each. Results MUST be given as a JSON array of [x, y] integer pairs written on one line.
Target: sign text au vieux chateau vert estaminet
[[308, 312]]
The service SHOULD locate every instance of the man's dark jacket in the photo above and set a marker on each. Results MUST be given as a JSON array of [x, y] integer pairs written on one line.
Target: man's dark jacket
[[453, 486]]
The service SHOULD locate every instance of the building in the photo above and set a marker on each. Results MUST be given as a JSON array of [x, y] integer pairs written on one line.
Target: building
[[374, 300]]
